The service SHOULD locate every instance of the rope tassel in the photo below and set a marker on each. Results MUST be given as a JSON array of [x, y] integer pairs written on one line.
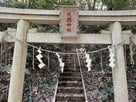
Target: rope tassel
[[61, 64], [88, 61], [112, 57], [39, 58]]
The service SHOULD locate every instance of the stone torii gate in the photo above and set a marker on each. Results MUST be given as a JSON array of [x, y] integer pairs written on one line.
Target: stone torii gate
[[69, 17]]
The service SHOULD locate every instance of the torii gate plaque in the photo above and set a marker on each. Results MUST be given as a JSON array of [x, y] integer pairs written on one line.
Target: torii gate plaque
[[69, 22]]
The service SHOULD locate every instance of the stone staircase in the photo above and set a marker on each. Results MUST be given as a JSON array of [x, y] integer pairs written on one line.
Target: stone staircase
[[70, 88]]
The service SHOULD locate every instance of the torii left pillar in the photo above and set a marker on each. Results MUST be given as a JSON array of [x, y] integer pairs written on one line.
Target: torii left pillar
[[19, 62]]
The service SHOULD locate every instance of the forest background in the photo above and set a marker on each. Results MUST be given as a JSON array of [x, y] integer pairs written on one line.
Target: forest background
[[40, 83]]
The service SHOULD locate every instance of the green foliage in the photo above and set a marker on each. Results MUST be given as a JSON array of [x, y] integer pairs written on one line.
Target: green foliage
[[14, 3], [49, 83], [132, 81], [107, 90], [131, 70], [130, 27], [54, 4], [27, 72], [4, 26], [46, 28], [105, 94], [120, 4], [19, 5], [39, 4], [6, 3], [5, 68], [67, 2], [50, 4]]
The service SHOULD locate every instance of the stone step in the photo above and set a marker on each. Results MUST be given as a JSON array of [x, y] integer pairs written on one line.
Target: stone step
[[76, 90], [70, 74], [67, 56], [69, 66], [70, 79], [70, 84], [71, 70], [70, 97], [67, 60]]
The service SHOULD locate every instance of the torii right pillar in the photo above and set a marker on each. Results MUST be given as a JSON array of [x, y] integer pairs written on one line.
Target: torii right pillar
[[119, 72]]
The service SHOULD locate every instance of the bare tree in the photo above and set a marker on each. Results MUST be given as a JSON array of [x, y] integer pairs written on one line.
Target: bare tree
[[89, 4]]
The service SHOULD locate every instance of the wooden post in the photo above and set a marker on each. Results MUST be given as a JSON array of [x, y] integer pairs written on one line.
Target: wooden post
[[119, 72], [19, 61]]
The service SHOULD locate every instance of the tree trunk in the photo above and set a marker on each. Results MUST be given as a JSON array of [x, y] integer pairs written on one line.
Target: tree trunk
[[89, 4], [93, 8]]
